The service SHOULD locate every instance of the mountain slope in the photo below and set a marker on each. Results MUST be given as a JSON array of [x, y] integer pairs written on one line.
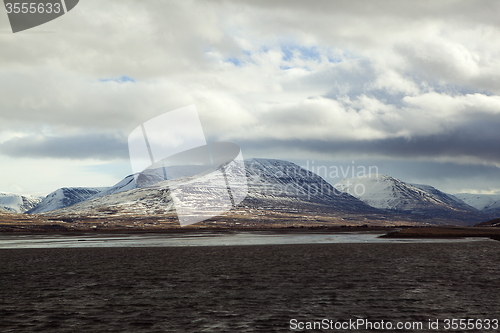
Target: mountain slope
[[386, 192], [487, 203], [281, 183], [69, 196], [126, 184], [448, 199], [139, 201], [64, 197], [16, 203]]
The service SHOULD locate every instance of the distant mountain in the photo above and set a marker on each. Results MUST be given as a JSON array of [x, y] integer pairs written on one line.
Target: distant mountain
[[386, 192], [272, 184], [64, 197], [69, 196], [487, 203], [15, 203]]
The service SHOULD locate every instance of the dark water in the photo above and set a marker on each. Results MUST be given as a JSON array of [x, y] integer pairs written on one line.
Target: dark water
[[245, 288]]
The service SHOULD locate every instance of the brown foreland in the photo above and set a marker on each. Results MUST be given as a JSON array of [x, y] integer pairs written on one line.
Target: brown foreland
[[239, 219], [249, 219]]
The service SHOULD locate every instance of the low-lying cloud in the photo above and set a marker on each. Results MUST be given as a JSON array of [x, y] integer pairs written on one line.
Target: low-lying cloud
[[85, 146]]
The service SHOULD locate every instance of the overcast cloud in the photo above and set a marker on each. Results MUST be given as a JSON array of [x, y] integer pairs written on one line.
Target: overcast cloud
[[382, 82]]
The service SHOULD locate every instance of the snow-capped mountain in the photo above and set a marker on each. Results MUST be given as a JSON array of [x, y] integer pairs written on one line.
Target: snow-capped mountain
[[69, 196], [154, 175], [487, 203], [64, 197], [281, 183], [272, 184], [152, 200], [16, 203], [138, 201], [279, 186], [386, 192]]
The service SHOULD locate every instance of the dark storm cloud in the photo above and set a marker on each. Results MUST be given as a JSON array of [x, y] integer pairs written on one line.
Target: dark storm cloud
[[480, 141], [95, 146]]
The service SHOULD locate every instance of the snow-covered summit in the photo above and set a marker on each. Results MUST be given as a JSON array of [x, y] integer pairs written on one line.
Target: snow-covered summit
[[16, 203], [488, 203], [385, 192]]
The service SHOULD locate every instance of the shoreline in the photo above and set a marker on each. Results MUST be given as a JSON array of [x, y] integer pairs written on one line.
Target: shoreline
[[401, 232], [445, 232]]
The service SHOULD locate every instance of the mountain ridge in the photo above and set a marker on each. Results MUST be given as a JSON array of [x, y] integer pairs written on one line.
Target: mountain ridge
[[271, 183], [16, 203], [487, 203], [386, 192], [276, 185], [64, 197]]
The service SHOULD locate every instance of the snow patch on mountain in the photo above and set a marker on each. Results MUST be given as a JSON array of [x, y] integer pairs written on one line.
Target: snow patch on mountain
[[15, 203], [488, 203], [386, 192], [64, 197]]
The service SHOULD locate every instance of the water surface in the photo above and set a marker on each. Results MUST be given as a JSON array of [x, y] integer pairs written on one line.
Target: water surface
[[256, 288], [205, 238]]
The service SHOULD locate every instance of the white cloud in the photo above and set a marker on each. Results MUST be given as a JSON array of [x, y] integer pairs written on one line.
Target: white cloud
[[257, 70]]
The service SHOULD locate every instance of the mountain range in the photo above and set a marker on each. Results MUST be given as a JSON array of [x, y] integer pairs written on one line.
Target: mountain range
[[281, 186], [272, 185]]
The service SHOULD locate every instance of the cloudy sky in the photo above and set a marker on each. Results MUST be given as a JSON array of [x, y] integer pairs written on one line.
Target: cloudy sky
[[410, 87]]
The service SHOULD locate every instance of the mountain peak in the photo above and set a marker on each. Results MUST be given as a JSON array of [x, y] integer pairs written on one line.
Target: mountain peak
[[16, 203], [385, 192]]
